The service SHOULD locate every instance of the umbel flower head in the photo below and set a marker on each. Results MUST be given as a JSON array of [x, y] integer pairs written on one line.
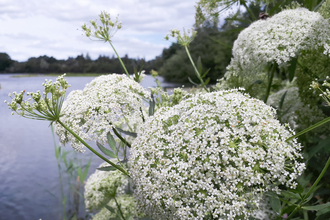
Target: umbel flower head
[[107, 101], [278, 39], [183, 39], [102, 186], [212, 156], [105, 31], [41, 106]]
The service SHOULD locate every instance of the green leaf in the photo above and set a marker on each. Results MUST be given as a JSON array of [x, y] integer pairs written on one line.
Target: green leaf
[[271, 12], [323, 211], [106, 151], [290, 195], [308, 198], [292, 68], [275, 203], [112, 142], [152, 104], [112, 210], [323, 144], [298, 189], [57, 151], [107, 168], [199, 65], [192, 82], [310, 128], [207, 81], [132, 134], [64, 200], [83, 175], [282, 100], [206, 72], [317, 207], [121, 138]]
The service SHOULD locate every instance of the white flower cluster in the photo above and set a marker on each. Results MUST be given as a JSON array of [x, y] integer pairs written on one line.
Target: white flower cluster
[[127, 209], [279, 39], [107, 101], [102, 186], [212, 156]]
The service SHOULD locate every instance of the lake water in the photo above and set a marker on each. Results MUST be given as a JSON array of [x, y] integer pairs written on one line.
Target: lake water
[[29, 178]]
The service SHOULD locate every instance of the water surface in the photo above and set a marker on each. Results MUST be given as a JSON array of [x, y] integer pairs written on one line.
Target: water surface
[[29, 179]]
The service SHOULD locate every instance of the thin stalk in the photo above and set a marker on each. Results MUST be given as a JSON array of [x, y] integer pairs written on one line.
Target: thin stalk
[[94, 151], [311, 189], [270, 82], [196, 71], [121, 213], [60, 175], [310, 128], [249, 11], [119, 59]]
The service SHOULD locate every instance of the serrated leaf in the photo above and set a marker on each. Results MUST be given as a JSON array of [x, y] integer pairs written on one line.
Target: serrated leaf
[[275, 203], [106, 151], [292, 68], [112, 142], [107, 168]]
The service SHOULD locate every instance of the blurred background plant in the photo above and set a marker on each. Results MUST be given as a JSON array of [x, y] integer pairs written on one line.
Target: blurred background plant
[[72, 176]]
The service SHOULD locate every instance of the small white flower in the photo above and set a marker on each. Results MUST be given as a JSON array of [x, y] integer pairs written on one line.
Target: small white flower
[[108, 101], [211, 156], [279, 39]]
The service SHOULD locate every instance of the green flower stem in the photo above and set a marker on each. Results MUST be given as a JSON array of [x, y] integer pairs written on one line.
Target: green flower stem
[[121, 213], [249, 11], [59, 174], [119, 59], [94, 151], [310, 128], [311, 189], [197, 73], [270, 82]]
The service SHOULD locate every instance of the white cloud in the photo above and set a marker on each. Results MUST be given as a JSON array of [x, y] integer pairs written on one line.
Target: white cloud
[[34, 27]]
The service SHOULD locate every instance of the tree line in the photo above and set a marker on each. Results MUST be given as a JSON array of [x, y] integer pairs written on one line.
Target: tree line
[[212, 44]]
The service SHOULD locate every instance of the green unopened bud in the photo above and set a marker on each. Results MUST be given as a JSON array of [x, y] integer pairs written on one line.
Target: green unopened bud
[[183, 39], [105, 31]]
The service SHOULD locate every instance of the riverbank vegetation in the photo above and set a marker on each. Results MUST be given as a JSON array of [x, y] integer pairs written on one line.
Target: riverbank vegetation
[[255, 146]]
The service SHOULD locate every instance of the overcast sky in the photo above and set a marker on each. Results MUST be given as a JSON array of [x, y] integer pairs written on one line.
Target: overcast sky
[[32, 28]]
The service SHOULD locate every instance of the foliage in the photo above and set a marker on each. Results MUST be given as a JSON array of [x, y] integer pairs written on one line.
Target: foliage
[[214, 56], [212, 154], [5, 61]]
